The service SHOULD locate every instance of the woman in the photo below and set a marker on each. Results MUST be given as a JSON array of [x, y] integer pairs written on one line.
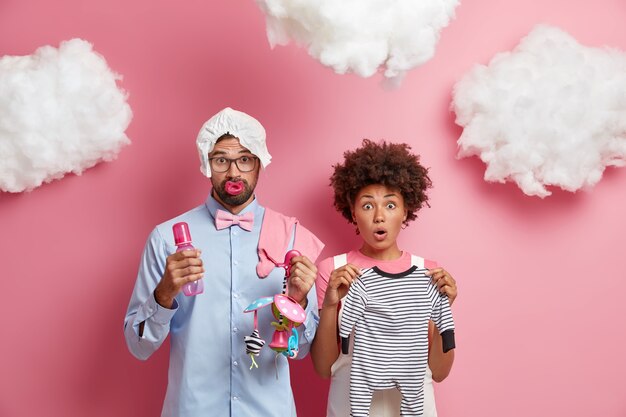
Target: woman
[[379, 188]]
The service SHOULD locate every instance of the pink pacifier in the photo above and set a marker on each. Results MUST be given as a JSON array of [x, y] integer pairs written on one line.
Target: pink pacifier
[[287, 263], [234, 187]]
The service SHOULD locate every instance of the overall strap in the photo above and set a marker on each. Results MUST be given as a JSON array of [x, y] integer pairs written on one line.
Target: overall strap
[[422, 263], [417, 261], [340, 260]]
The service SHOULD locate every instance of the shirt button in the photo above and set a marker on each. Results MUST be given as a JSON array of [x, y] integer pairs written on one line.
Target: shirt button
[[235, 330], [236, 295], [235, 263], [235, 363], [235, 398]]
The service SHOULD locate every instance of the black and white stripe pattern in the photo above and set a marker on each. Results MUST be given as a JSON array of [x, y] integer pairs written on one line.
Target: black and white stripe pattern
[[254, 343], [390, 314], [280, 316]]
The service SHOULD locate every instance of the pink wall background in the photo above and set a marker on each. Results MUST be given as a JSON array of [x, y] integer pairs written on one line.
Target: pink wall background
[[540, 311]]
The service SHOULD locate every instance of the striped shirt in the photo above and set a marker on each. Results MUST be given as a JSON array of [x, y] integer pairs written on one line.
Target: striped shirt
[[390, 314]]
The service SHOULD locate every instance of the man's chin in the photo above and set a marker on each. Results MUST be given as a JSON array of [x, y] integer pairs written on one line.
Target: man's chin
[[234, 200]]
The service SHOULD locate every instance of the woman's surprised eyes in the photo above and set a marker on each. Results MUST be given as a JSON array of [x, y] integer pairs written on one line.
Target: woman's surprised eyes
[[369, 206]]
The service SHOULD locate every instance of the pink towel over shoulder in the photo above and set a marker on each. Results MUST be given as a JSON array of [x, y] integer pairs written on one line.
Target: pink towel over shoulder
[[276, 232]]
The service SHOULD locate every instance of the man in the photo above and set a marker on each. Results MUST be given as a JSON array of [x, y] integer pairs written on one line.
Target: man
[[235, 240]]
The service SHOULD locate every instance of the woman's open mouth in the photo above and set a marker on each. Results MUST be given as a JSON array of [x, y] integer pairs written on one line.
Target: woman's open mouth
[[380, 234]]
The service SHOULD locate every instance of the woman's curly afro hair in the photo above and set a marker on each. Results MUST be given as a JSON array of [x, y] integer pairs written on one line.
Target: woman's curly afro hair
[[389, 164]]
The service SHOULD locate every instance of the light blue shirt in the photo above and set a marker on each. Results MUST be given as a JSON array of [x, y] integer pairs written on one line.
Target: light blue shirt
[[209, 370]]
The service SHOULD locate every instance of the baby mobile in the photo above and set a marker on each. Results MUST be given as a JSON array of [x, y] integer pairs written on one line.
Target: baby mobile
[[288, 313]]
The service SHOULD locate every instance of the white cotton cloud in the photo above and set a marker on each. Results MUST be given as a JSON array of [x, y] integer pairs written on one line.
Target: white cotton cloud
[[361, 36], [60, 111], [550, 113]]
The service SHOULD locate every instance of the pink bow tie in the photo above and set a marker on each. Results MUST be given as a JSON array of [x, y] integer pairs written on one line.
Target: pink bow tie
[[224, 219]]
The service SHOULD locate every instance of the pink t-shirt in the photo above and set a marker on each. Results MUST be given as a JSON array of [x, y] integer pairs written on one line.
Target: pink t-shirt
[[327, 266]]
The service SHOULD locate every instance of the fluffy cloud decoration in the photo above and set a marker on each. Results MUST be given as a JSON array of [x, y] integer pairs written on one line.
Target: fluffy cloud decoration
[[60, 111], [550, 113], [361, 36]]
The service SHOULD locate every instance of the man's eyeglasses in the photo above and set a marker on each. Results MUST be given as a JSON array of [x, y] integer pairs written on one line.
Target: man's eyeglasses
[[244, 163]]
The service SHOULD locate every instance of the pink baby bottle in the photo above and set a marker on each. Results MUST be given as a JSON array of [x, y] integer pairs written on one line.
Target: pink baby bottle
[[182, 240]]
